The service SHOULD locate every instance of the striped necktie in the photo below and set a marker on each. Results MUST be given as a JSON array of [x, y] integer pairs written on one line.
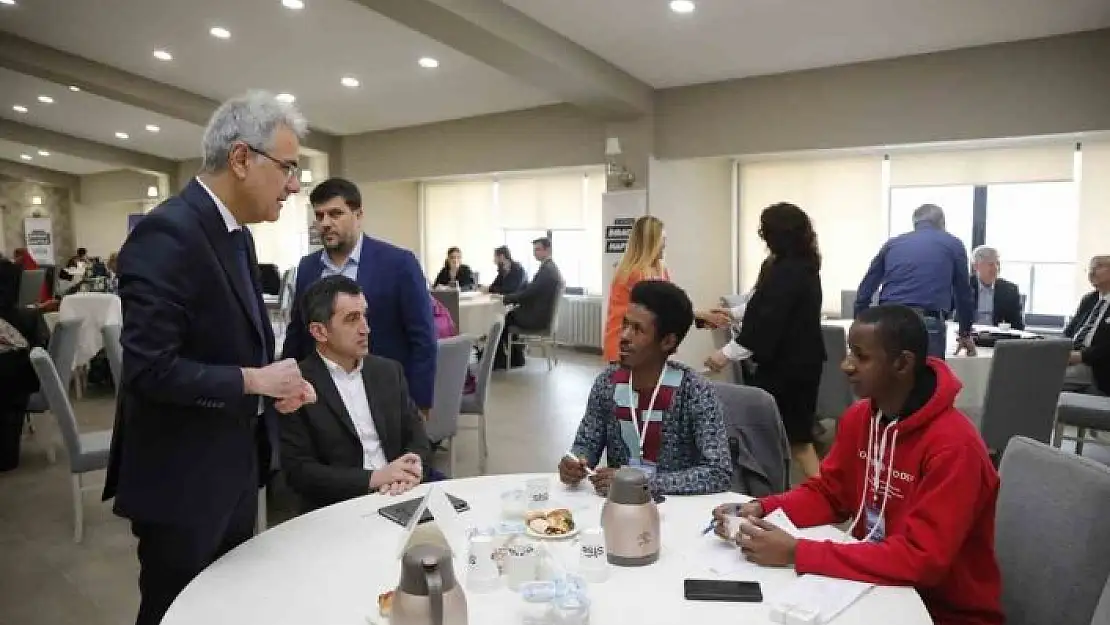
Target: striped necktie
[[1089, 324]]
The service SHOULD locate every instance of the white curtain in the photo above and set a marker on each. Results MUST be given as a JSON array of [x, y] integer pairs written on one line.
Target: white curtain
[[1094, 208], [1040, 163], [460, 214], [285, 241], [843, 197], [551, 202]]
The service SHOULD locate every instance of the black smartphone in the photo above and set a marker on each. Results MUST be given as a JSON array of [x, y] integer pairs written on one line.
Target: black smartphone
[[722, 590]]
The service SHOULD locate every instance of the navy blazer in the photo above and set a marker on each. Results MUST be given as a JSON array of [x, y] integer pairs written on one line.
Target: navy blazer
[[182, 444], [400, 313]]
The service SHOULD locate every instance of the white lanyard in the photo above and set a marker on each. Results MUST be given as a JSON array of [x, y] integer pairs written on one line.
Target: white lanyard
[[642, 430], [879, 449]]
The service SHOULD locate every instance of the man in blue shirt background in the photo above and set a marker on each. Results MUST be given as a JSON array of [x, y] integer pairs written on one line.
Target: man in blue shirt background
[[927, 270]]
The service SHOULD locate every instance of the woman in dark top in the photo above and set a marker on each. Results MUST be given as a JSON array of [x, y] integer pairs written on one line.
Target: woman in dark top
[[454, 271], [780, 333]]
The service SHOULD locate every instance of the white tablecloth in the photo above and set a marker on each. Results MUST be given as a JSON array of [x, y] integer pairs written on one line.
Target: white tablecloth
[[328, 567], [477, 313], [96, 310]]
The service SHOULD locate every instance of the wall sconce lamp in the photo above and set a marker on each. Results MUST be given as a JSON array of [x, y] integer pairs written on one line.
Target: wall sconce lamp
[[616, 170], [152, 191]]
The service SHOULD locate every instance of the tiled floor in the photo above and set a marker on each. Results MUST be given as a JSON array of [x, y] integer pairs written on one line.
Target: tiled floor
[[46, 579]]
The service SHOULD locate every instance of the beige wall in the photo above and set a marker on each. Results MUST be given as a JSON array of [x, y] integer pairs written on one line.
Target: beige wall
[[1039, 87], [699, 250], [101, 228], [123, 185], [391, 211]]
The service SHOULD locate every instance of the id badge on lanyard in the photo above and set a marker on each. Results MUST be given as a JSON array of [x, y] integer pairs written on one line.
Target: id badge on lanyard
[[645, 466], [873, 517]]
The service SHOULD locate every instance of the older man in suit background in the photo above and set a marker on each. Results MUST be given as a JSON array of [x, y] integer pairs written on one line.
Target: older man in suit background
[[996, 300], [1089, 330], [400, 310], [194, 437], [365, 434]]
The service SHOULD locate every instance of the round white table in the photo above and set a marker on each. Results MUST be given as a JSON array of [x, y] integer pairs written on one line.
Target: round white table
[[477, 312], [328, 568]]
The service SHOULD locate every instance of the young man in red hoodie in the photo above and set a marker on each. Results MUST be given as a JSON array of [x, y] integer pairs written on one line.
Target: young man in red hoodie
[[910, 472]]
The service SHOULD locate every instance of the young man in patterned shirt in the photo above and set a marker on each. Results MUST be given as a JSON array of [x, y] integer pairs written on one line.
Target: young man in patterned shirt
[[651, 413]]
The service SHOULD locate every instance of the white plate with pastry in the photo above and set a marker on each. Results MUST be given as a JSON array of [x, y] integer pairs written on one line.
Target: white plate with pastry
[[555, 524]]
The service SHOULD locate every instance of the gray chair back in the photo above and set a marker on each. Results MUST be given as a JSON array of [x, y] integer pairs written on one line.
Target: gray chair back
[[1102, 612], [114, 352], [450, 300], [1023, 390], [30, 285], [757, 439], [1051, 536], [835, 394], [81, 459], [1045, 321], [848, 304], [451, 361], [63, 352], [485, 369]]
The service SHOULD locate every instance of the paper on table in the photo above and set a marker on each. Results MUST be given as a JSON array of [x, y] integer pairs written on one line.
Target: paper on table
[[779, 519], [718, 556], [826, 596]]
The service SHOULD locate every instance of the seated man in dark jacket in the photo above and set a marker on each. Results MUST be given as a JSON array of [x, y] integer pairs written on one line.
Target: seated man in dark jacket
[[365, 434], [510, 274], [996, 300], [535, 303]]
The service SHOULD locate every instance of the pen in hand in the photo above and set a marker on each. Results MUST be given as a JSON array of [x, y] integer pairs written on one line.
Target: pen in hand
[[570, 456]]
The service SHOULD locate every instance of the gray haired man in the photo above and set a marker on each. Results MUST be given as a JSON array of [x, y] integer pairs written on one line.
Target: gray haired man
[[998, 301], [196, 432], [925, 269]]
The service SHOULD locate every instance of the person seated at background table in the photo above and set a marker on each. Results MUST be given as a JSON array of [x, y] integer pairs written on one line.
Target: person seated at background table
[[651, 412], [997, 300], [22, 256], [1089, 366], [364, 434], [445, 329], [908, 469], [533, 305], [510, 274], [454, 272]]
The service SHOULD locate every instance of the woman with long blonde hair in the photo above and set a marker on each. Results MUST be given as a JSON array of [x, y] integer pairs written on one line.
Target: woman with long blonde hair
[[642, 260]]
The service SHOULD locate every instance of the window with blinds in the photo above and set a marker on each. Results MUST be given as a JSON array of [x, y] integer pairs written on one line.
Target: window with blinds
[[479, 215]]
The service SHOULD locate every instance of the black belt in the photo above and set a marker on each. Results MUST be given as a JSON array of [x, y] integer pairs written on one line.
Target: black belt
[[926, 312]]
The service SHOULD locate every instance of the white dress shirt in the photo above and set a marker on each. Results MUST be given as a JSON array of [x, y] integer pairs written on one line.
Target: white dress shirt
[[352, 389]]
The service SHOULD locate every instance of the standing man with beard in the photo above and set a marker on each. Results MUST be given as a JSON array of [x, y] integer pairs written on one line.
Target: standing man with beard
[[399, 308]]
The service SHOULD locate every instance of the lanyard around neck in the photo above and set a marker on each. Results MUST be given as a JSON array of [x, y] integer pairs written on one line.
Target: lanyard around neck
[[641, 430]]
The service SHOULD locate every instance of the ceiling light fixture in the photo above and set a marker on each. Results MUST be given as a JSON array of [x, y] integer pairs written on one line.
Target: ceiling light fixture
[[152, 128], [8, 2], [296, 5], [349, 81], [682, 6], [220, 33], [428, 62], [36, 200], [25, 157], [152, 191], [19, 108], [44, 153], [288, 98], [45, 99], [162, 55], [122, 135], [74, 88]]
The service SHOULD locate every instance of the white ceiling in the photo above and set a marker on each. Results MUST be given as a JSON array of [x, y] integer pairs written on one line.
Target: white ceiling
[[726, 39], [300, 52], [92, 117], [11, 151]]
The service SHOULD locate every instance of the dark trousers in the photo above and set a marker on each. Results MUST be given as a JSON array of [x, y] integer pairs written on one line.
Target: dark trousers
[[170, 556]]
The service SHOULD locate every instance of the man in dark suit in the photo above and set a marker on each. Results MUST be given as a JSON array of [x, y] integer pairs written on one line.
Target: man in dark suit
[[1089, 329], [365, 435], [997, 300], [510, 274], [391, 278], [535, 303], [193, 437]]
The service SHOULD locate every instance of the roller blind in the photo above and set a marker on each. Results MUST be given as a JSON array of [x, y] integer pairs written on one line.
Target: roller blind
[[554, 202], [459, 214], [1024, 164], [1094, 208], [843, 197]]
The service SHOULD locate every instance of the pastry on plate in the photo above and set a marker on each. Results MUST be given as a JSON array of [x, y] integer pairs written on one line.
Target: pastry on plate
[[385, 603]]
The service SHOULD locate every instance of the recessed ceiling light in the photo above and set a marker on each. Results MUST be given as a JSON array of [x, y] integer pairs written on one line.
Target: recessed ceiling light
[[19, 108], [152, 191], [349, 81], [74, 88], [8, 2], [288, 98], [162, 55], [45, 99], [44, 153], [682, 6], [122, 135], [152, 128], [428, 62], [25, 157], [220, 33], [296, 5]]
